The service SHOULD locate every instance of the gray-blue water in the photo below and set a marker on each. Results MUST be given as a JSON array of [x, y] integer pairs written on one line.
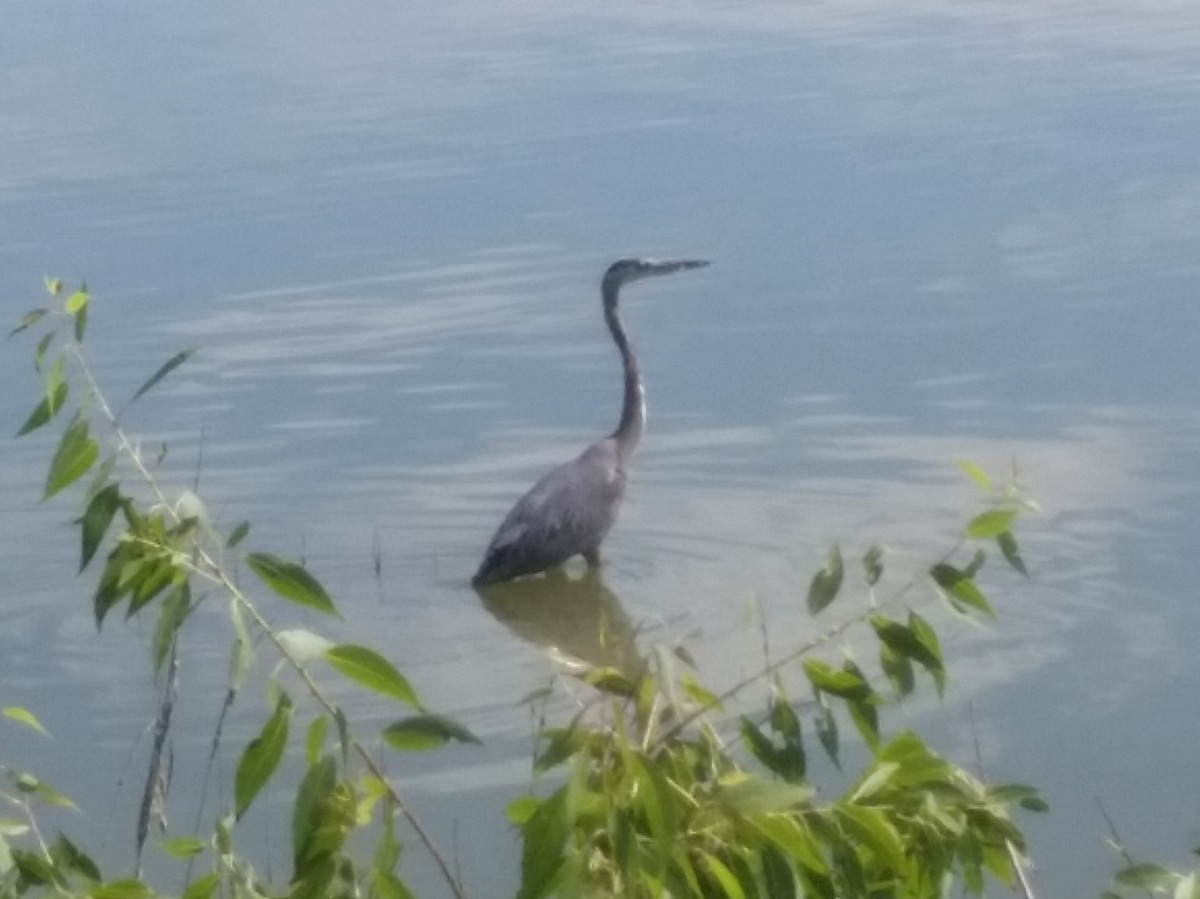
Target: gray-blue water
[[941, 231]]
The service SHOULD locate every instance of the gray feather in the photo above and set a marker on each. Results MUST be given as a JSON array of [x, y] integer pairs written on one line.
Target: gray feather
[[567, 513]]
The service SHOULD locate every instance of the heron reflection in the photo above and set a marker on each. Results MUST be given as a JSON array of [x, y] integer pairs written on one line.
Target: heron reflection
[[579, 617]]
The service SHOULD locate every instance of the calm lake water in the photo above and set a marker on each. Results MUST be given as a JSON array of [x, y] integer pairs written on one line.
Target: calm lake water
[[940, 231]]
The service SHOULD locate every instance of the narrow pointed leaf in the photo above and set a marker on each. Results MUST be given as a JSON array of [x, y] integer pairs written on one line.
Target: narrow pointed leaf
[[25, 717], [81, 319], [752, 795], [976, 474], [167, 367], [261, 757], [992, 523], [721, 873], [28, 320], [372, 670], [45, 410], [183, 847], [171, 615], [874, 782], [826, 582], [77, 301], [827, 731], [314, 741], [291, 581], [960, 588], [1145, 875], [1008, 548], [238, 534], [75, 454], [96, 519], [44, 344], [202, 887], [423, 732], [872, 564], [845, 684]]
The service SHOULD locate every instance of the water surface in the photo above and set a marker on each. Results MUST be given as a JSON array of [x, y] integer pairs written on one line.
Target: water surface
[[941, 231]]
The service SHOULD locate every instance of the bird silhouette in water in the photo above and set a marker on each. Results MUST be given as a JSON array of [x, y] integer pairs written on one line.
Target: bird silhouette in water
[[572, 508]]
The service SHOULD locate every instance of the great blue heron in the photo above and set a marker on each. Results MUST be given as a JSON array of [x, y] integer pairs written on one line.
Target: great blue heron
[[571, 509]]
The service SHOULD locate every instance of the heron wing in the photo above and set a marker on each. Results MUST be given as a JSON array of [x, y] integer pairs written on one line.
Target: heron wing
[[569, 511]]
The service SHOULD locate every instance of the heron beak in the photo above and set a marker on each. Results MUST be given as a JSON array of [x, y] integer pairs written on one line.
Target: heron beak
[[676, 265]]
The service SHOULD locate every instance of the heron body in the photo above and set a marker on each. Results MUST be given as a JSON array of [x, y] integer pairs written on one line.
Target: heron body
[[572, 508]]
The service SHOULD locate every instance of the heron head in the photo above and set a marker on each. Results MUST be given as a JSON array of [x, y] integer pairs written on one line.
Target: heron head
[[625, 270]]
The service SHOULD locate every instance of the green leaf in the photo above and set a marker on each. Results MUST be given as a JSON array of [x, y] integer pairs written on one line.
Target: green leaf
[[1008, 548], [545, 834], [99, 515], [76, 301], [24, 716], [67, 855], [872, 829], [173, 612], [54, 286], [304, 646], [40, 353], [121, 889], [45, 410], [753, 795], [241, 659], [311, 800], [976, 474], [261, 757], [846, 684], [28, 320], [386, 885], [789, 834], [372, 670], [656, 801], [827, 730], [563, 742], [989, 524], [183, 847], [81, 319], [33, 868], [422, 732], [898, 669], [758, 743], [521, 809], [27, 783], [610, 680], [165, 369], [75, 454], [826, 582], [960, 589], [1145, 875], [238, 534], [1188, 887], [875, 781], [314, 741], [916, 641], [291, 581], [872, 564], [202, 887], [728, 882], [865, 716]]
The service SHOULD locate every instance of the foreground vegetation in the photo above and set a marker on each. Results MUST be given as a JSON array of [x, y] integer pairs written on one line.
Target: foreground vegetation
[[657, 786]]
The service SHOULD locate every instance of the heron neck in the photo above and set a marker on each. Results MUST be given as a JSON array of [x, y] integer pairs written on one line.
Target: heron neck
[[633, 407]]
